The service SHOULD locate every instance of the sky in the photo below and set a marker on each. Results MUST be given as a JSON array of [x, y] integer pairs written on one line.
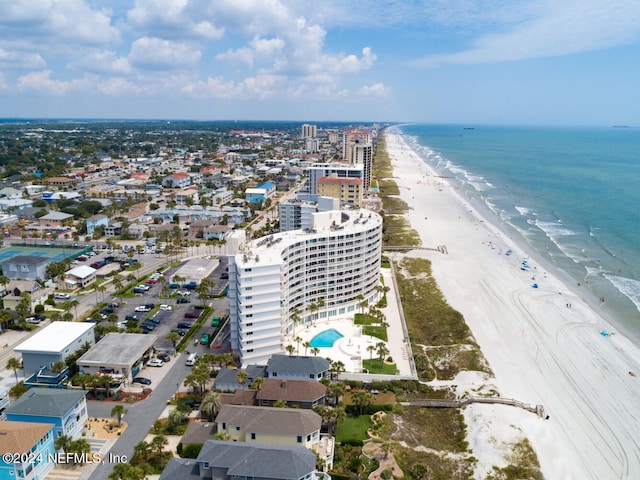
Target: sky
[[535, 62]]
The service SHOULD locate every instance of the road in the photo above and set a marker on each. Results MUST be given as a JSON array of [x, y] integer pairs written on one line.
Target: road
[[141, 416]]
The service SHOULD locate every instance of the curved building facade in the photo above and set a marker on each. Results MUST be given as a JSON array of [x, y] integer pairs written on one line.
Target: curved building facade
[[302, 276]]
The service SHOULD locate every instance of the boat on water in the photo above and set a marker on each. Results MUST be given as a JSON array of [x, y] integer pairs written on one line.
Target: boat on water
[[508, 252]]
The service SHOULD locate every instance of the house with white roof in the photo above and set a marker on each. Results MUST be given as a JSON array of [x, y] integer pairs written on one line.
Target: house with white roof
[[79, 277], [54, 343]]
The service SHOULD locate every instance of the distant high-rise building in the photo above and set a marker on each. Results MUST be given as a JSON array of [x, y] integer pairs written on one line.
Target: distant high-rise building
[[309, 131], [342, 170], [350, 138], [362, 153], [312, 145]]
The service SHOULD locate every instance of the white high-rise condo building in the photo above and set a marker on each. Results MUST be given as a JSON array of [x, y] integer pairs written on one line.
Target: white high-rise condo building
[[340, 170], [275, 280]]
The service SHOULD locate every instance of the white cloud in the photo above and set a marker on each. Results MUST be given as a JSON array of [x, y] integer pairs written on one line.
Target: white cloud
[[555, 29], [48, 23], [12, 59], [171, 19], [102, 62], [157, 54], [41, 82], [375, 90]]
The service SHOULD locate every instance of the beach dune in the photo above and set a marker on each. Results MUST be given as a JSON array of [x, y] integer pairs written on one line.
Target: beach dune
[[544, 342]]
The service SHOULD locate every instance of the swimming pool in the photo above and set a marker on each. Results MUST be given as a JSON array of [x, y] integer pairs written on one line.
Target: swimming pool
[[326, 338]]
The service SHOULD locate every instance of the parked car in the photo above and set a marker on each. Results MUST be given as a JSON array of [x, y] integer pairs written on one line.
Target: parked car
[[204, 339], [183, 300], [155, 362], [179, 332], [61, 296], [224, 275], [191, 286], [138, 290], [165, 357], [149, 305], [32, 320], [174, 285], [107, 311], [142, 380], [165, 307], [192, 315], [192, 404], [186, 325], [142, 308], [82, 258], [97, 265], [133, 318], [151, 281]]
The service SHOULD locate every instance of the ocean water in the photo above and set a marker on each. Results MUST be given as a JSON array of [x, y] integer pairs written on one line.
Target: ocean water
[[572, 195]]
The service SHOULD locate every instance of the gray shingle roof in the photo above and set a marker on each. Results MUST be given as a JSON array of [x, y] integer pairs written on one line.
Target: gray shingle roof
[[270, 420], [291, 390], [27, 260], [259, 460], [47, 402], [298, 365]]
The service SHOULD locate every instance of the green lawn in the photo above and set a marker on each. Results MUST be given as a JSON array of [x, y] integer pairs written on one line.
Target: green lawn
[[353, 429], [373, 366]]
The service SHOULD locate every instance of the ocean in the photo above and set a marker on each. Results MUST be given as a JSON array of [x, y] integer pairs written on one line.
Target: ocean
[[571, 195]]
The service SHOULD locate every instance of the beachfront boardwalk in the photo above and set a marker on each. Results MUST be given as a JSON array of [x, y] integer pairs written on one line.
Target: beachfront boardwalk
[[402, 248], [437, 403]]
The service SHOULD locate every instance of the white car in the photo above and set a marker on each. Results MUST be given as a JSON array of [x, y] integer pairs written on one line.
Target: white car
[[142, 308], [155, 362], [165, 307], [61, 296]]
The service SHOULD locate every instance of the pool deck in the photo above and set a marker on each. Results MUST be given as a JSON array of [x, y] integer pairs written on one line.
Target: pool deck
[[351, 349]]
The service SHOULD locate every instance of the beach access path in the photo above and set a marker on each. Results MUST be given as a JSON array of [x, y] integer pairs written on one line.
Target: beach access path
[[543, 344]]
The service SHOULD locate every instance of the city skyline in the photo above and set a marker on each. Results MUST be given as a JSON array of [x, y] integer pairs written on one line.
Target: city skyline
[[459, 61]]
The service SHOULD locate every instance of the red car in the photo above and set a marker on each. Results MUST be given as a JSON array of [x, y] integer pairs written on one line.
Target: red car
[[151, 281], [192, 315]]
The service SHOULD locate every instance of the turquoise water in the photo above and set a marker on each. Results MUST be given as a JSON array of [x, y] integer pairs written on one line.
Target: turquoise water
[[570, 194], [325, 339]]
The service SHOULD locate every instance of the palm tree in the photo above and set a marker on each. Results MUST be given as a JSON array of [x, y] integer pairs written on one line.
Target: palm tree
[[242, 377], [174, 338], [298, 340], [290, 349], [371, 349], [306, 346], [315, 351], [74, 304], [63, 443], [14, 364], [257, 383], [158, 443], [382, 351], [362, 399], [295, 319], [81, 448], [142, 450], [313, 308], [119, 411], [210, 405]]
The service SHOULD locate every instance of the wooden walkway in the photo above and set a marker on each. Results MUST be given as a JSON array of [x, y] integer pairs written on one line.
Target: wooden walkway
[[439, 248], [431, 403]]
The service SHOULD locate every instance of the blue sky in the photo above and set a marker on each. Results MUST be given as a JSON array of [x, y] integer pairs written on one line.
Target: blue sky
[[569, 62]]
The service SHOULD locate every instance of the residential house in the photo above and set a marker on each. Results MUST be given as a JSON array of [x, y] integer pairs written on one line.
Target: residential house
[[16, 288], [227, 378], [197, 228], [295, 393], [65, 409], [276, 426], [25, 267], [114, 229], [271, 425], [297, 367], [79, 277], [96, 221], [32, 445], [222, 460], [177, 180], [11, 204], [10, 193], [186, 195], [54, 343], [217, 232], [59, 181], [55, 219], [260, 193]]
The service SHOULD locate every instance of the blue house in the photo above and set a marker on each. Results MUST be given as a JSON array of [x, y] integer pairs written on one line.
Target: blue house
[[95, 221], [65, 409], [33, 447], [260, 193]]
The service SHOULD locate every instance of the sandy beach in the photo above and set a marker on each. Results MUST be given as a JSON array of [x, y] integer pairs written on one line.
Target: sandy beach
[[543, 344]]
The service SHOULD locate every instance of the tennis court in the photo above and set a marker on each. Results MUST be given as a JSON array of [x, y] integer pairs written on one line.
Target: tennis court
[[55, 254]]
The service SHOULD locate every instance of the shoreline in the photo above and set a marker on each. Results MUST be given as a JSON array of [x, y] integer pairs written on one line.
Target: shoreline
[[543, 344]]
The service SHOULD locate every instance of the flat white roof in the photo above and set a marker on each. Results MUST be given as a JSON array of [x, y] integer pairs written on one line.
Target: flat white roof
[[83, 271], [55, 337]]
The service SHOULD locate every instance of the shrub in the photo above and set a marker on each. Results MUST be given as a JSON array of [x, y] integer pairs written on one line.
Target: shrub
[[38, 309]]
